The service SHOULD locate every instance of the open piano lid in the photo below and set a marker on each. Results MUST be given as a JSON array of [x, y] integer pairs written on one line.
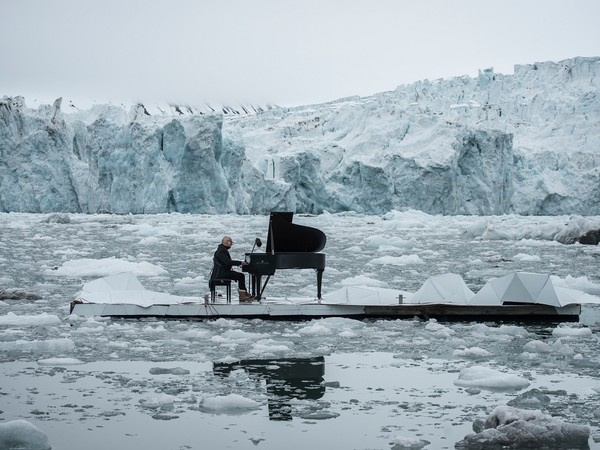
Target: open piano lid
[[285, 236]]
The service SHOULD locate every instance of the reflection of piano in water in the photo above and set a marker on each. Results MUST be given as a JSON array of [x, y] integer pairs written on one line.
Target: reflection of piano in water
[[289, 378], [289, 246]]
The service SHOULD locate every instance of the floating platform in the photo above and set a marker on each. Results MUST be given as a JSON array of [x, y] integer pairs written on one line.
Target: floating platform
[[272, 310], [515, 297]]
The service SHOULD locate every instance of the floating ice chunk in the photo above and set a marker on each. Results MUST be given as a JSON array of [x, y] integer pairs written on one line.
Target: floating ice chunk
[[576, 228], [571, 332], [227, 359], [151, 240], [532, 399], [59, 362], [526, 258], [383, 243], [169, 371], [315, 328], [492, 233], [37, 320], [231, 403], [23, 435], [270, 346], [18, 294], [406, 443], [509, 427], [161, 401], [237, 336], [472, 352], [190, 282], [537, 347], [363, 280], [484, 377], [329, 325], [502, 330], [436, 327], [103, 267], [578, 283], [60, 345], [403, 260]]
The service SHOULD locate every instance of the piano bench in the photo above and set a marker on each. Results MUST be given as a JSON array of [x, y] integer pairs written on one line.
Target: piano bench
[[220, 282]]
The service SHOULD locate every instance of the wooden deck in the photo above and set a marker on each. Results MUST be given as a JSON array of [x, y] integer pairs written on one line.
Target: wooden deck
[[307, 311]]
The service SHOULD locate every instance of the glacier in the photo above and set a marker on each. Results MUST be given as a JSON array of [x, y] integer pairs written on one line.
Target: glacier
[[526, 143]]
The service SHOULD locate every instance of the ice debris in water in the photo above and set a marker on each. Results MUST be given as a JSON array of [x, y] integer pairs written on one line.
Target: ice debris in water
[[484, 377], [531, 399], [22, 435], [169, 371], [472, 352], [162, 401], [508, 427], [571, 332], [406, 443], [43, 319], [228, 403], [59, 362]]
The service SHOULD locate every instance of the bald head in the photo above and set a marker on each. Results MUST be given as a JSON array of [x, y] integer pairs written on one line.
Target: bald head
[[227, 241]]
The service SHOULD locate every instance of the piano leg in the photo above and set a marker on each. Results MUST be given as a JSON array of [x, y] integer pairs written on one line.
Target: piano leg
[[257, 289], [256, 286], [319, 281], [263, 288]]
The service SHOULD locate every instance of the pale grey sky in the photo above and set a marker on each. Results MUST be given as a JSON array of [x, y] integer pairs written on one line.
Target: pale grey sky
[[287, 52]]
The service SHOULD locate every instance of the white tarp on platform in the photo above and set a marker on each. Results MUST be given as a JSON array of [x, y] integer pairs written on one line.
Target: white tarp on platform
[[446, 289], [125, 288], [523, 287], [362, 295], [518, 287]]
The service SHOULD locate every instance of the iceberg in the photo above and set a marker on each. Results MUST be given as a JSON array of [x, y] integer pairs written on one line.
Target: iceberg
[[21, 434], [508, 427]]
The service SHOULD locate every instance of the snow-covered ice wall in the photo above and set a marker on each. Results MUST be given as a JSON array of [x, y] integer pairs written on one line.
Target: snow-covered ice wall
[[527, 143]]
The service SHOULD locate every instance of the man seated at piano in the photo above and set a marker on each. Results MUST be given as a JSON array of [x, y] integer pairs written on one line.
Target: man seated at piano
[[222, 265]]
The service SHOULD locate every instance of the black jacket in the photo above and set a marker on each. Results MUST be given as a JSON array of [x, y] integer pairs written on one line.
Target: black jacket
[[222, 262]]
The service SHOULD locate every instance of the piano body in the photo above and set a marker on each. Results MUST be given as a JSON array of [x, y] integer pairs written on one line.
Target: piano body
[[289, 246]]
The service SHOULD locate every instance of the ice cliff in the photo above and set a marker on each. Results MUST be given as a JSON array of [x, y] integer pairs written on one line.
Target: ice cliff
[[526, 143]]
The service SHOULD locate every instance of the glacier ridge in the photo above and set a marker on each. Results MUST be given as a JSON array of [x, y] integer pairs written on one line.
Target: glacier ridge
[[526, 143]]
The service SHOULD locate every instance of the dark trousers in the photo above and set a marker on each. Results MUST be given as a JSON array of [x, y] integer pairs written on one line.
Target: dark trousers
[[237, 276]]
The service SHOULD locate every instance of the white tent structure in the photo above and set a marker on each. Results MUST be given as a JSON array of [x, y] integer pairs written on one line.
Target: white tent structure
[[448, 288], [125, 281], [125, 288], [534, 288]]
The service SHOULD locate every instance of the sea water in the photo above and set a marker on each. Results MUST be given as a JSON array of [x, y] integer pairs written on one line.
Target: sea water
[[156, 384]]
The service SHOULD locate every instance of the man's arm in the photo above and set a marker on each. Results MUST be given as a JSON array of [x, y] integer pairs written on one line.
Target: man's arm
[[224, 259]]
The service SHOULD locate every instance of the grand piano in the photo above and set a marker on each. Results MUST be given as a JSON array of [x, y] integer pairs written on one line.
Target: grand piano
[[289, 246]]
